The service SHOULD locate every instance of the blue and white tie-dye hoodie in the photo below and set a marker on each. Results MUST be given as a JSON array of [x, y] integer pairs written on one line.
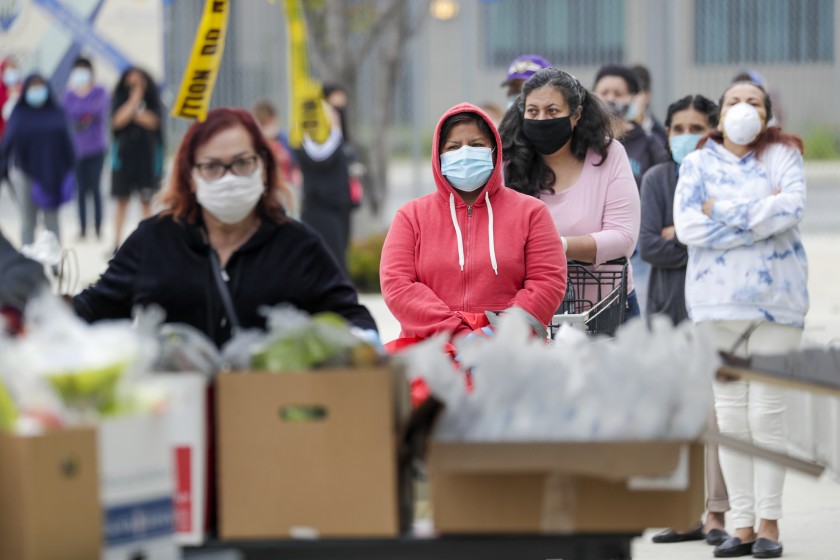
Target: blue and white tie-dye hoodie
[[746, 262]]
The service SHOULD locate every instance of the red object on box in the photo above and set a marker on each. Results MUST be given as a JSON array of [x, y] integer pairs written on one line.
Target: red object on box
[[183, 489]]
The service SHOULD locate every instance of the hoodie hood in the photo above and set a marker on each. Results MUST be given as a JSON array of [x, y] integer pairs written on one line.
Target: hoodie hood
[[494, 183]]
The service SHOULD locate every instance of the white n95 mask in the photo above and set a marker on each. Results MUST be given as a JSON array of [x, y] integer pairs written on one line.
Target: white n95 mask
[[742, 123]]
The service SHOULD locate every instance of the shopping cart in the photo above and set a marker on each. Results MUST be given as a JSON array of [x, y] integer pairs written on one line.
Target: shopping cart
[[596, 297]]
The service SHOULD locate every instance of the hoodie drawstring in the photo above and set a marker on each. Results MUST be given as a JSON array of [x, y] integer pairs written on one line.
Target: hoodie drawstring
[[457, 230], [490, 234], [492, 239]]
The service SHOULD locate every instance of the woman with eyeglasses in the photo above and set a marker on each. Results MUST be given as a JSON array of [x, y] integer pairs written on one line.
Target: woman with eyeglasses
[[472, 245], [223, 226]]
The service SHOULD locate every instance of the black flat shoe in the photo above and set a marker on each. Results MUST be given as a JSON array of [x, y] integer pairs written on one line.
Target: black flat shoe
[[716, 536], [733, 548], [672, 536], [765, 548]]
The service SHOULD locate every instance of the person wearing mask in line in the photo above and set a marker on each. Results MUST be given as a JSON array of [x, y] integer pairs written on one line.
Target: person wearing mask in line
[[738, 204], [222, 225], [688, 120], [266, 116], [37, 156], [327, 197], [20, 280], [519, 71], [618, 87], [558, 146], [137, 150], [473, 245], [9, 90], [644, 117], [750, 75], [87, 106]]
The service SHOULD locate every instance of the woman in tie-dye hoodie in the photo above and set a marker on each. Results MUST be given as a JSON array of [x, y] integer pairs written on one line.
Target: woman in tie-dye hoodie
[[737, 207]]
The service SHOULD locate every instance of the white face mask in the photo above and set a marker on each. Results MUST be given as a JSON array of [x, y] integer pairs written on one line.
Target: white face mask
[[11, 76], [231, 198], [742, 124], [79, 78]]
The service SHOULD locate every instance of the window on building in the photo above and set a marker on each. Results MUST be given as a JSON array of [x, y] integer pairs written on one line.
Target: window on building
[[763, 31], [566, 32]]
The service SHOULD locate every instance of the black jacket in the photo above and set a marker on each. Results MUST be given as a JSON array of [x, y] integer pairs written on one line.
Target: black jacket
[[644, 151], [167, 263], [668, 259], [20, 278]]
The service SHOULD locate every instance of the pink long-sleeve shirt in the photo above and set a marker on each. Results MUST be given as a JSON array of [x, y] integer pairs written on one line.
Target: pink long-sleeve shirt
[[603, 203]]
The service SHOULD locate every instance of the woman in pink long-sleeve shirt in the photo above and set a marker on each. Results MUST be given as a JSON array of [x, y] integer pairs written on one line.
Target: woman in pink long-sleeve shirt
[[558, 146]]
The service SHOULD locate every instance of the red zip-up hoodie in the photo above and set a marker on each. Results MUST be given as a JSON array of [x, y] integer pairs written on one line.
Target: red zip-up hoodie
[[443, 258]]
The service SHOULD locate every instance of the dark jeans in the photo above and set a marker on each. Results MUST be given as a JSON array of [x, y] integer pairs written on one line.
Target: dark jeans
[[88, 176], [633, 309]]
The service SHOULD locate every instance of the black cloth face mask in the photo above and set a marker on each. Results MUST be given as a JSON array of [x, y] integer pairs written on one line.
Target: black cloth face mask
[[547, 135]]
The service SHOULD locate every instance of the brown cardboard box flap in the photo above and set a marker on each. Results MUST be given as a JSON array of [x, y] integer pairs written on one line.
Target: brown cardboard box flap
[[49, 496], [610, 460]]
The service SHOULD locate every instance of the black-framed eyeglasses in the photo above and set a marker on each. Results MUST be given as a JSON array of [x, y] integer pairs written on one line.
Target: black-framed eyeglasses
[[213, 171]]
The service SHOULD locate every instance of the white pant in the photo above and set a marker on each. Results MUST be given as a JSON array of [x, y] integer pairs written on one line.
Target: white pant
[[754, 412]]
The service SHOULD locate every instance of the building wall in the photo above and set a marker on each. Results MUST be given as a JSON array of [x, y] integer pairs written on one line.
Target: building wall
[[658, 33]]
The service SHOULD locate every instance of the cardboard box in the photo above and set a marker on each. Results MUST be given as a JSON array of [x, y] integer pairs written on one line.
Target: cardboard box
[[561, 487], [187, 436], [136, 487], [309, 454], [49, 496]]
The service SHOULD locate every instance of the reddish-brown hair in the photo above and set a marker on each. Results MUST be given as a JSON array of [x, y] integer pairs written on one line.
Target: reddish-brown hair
[[771, 135], [179, 199]]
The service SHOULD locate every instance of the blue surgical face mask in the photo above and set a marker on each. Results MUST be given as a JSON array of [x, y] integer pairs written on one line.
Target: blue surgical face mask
[[467, 168], [80, 78], [682, 145], [11, 76], [37, 95]]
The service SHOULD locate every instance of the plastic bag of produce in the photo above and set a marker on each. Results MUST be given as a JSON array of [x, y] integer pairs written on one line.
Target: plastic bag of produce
[[85, 365]]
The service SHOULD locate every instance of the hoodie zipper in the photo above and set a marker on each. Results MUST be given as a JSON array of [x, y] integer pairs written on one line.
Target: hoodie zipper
[[467, 244]]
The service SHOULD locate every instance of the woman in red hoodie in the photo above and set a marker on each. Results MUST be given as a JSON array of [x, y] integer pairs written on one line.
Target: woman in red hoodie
[[473, 245]]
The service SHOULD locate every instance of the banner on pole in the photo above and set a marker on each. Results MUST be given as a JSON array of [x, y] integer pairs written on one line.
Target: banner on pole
[[307, 111], [193, 100]]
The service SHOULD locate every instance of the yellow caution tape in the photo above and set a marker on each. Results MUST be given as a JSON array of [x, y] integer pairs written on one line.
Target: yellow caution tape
[[307, 112], [200, 75]]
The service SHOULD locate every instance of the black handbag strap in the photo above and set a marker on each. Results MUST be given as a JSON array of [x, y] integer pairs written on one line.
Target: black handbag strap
[[221, 285]]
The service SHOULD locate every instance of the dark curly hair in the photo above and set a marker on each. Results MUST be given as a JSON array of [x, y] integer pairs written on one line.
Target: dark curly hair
[[699, 103], [525, 170]]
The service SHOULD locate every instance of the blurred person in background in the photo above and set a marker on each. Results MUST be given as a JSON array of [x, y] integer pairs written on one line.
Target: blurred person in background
[[88, 107], [738, 204], [266, 116], [618, 87], [327, 197], [37, 155], [137, 150], [493, 111], [222, 225], [644, 116], [520, 69], [688, 120], [473, 245], [9, 89], [558, 146]]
